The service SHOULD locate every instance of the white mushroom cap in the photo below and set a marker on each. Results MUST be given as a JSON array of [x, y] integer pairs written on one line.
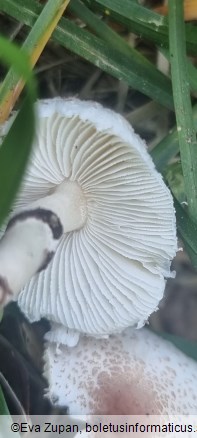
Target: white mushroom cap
[[133, 373], [110, 273]]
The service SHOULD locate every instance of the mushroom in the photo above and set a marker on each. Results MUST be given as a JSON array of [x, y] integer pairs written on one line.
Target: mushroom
[[94, 173], [132, 373], [21, 255]]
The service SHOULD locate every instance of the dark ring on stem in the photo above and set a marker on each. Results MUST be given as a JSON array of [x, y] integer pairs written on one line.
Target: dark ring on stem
[[46, 216]]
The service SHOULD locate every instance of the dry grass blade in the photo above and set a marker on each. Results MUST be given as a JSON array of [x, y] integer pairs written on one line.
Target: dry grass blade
[[35, 43]]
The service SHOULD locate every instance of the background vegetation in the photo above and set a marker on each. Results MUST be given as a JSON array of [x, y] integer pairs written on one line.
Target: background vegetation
[[128, 56]]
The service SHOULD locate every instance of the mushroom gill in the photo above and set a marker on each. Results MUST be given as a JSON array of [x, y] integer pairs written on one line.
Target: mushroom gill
[[110, 267]]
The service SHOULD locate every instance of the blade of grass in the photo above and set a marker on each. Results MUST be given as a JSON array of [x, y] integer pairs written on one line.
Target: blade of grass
[[165, 150], [15, 150], [174, 176], [136, 18], [14, 154], [3, 405], [102, 30], [192, 71], [6, 419], [34, 45], [142, 21], [192, 76], [95, 50], [168, 148], [138, 62], [187, 230], [113, 62], [182, 101], [11, 54]]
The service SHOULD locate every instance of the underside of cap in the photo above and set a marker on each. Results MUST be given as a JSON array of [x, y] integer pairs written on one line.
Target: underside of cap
[[134, 373], [111, 273]]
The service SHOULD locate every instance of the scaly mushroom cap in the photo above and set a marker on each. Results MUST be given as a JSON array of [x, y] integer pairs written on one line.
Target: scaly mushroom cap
[[133, 373], [110, 274]]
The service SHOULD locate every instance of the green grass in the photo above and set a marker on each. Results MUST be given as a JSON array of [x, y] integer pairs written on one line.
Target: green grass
[[3, 406], [16, 145], [182, 102]]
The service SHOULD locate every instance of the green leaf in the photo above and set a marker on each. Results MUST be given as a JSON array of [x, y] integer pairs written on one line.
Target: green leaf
[[16, 146]]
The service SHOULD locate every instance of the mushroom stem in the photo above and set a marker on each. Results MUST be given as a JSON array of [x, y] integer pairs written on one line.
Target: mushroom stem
[[27, 247], [32, 236], [67, 201]]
